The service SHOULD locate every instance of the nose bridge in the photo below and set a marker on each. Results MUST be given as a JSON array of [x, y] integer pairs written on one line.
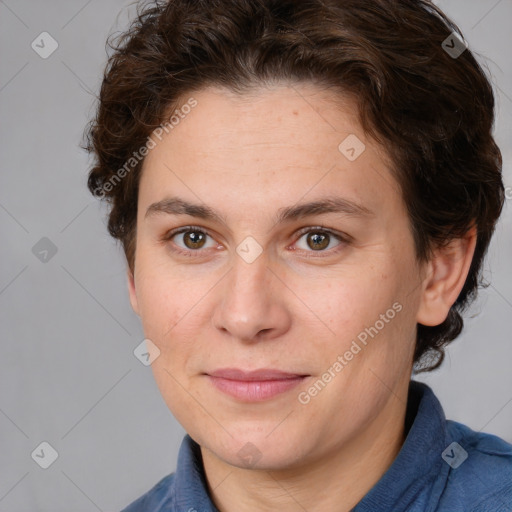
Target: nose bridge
[[250, 303], [249, 269], [249, 284]]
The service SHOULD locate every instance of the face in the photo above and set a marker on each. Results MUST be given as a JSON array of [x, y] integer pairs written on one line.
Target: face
[[330, 294]]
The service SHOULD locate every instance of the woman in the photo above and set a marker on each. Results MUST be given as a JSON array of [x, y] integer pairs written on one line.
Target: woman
[[305, 192]]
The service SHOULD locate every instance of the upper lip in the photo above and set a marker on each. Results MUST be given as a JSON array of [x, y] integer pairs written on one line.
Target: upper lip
[[254, 375]]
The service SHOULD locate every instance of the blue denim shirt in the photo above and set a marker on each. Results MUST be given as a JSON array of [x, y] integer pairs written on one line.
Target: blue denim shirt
[[443, 466]]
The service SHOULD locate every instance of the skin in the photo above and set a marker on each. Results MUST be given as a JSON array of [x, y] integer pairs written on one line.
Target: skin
[[246, 157]]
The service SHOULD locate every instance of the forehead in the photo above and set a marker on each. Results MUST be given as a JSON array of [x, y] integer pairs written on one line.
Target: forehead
[[281, 113], [287, 141]]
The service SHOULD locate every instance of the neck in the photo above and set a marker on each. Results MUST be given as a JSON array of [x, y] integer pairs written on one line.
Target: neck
[[336, 481]]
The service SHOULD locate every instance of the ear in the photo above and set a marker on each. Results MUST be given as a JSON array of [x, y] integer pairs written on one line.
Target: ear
[[445, 277], [131, 291]]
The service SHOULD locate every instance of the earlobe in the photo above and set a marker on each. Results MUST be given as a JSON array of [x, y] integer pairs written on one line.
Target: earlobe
[[132, 292], [446, 274]]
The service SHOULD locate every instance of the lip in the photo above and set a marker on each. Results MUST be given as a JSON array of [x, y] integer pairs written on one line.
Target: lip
[[254, 386], [262, 374]]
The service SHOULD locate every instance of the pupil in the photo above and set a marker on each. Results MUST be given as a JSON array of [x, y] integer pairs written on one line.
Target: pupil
[[195, 237], [318, 239]]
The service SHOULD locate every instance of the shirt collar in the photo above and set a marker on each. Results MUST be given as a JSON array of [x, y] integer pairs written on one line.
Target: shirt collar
[[190, 480], [418, 465]]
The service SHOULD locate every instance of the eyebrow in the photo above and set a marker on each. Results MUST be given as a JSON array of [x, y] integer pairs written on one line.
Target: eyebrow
[[178, 206]]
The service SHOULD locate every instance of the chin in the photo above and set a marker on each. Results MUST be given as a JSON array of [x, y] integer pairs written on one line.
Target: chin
[[258, 451]]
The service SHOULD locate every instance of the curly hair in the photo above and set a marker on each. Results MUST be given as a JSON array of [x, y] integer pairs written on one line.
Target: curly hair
[[432, 110]]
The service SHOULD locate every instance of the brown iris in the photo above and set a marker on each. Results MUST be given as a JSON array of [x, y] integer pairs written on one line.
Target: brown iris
[[196, 239], [319, 240]]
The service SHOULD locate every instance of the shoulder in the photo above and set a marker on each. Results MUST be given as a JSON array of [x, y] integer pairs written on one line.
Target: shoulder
[[480, 474], [159, 498]]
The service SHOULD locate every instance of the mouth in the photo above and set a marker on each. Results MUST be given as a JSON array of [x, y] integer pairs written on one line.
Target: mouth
[[254, 386]]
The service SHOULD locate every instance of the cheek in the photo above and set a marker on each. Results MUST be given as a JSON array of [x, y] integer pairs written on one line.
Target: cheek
[[157, 305], [175, 316], [162, 304], [373, 327], [347, 304]]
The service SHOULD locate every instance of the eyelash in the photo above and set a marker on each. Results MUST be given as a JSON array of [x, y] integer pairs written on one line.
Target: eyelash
[[343, 239]]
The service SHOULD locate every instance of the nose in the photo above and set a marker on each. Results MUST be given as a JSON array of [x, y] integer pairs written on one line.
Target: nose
[[253, 303]]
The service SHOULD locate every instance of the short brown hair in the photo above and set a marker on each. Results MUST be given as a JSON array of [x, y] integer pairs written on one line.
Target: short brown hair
[[433, 112]]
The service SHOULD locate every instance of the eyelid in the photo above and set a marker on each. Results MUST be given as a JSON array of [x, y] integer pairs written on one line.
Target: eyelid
[[167, 237], [343, 238]]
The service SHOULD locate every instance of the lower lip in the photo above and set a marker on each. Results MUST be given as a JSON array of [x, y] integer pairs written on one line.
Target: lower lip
[[254, 391]]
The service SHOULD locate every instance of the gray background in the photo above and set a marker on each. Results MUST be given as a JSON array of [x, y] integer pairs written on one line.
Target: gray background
[[68, 375]]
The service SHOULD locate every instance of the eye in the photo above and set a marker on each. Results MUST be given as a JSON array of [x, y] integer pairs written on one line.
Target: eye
[[192, 240], [317, 239]]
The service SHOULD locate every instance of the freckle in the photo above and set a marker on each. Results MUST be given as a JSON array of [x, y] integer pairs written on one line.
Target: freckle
[[295, 113]]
